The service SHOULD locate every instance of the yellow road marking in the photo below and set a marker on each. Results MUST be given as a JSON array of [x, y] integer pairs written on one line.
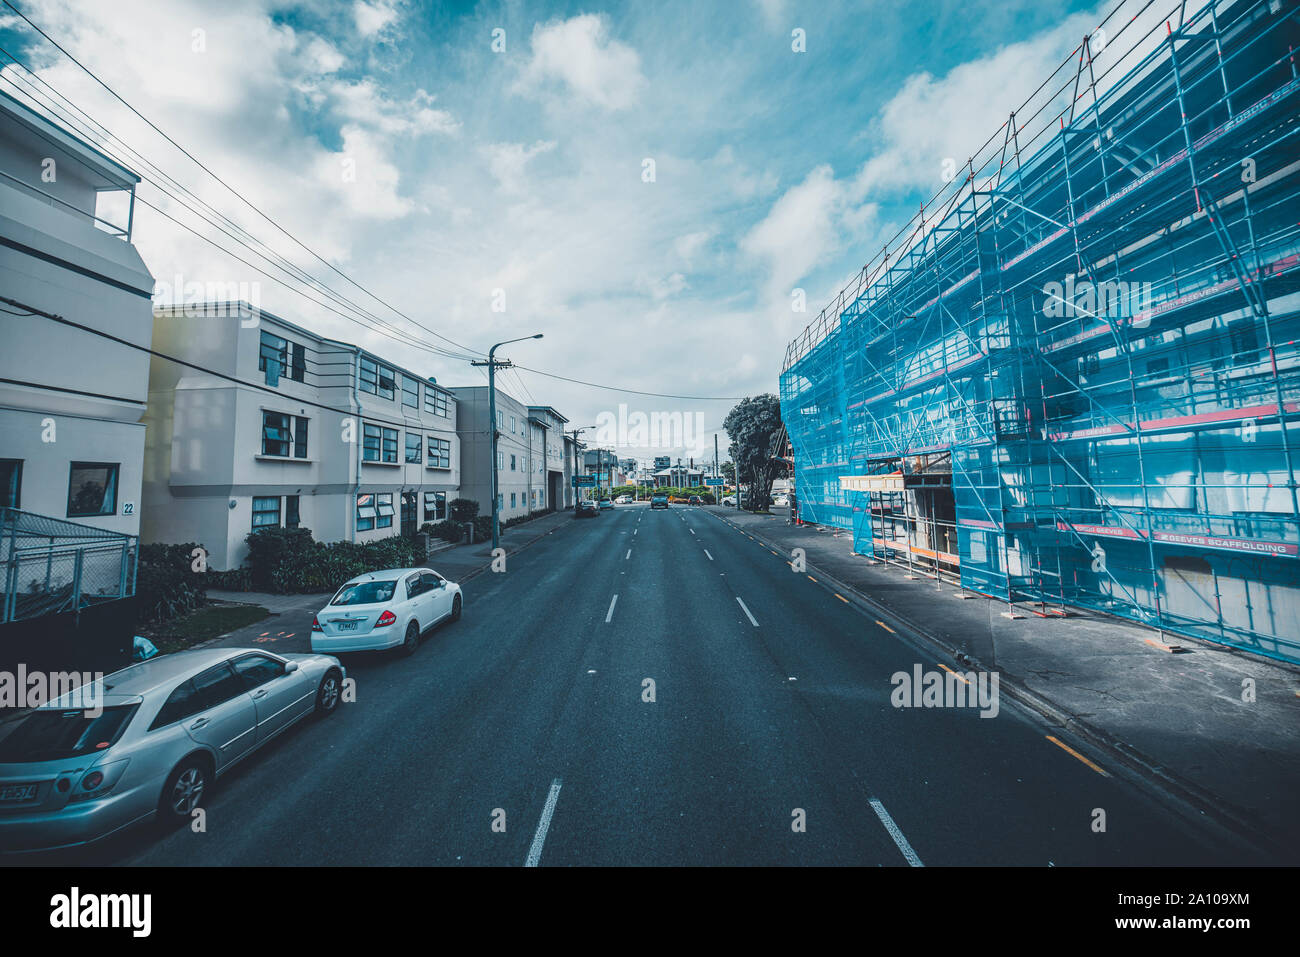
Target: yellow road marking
[[953, 673], [811, 579], [886, 627], [1070, 750], [839, 596]]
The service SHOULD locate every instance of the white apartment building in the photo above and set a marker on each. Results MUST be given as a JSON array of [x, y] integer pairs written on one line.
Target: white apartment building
[[533, 470], [71, 402], [274, 425]]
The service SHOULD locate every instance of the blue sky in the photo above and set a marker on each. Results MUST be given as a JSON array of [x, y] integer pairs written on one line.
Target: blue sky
[[521, 171]]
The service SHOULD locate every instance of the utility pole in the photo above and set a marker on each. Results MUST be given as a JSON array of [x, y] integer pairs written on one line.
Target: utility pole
[[576, 433], [492, 366], [716, 473]]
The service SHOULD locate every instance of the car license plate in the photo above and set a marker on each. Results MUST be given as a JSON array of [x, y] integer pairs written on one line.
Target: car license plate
[[346, 625], [18, 792]]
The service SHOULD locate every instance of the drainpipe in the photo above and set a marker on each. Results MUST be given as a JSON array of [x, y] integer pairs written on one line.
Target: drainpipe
[[351, 503]]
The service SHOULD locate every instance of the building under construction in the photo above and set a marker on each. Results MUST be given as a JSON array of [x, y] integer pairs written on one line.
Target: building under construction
[[1074, 380]]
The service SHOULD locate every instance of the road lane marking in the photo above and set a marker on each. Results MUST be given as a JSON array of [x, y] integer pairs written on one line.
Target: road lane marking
[[635, 530], [535, 852], [1070, 750], [752, 621], [610, 614], [628, 555], [841, 598], [953, 673], [692, 531], [896, 834], [886, 627], [706, 552], [811, 579]]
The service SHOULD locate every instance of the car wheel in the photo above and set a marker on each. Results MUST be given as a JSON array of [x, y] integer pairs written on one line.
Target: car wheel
[[455, 608], [327, 695], [184, 791], [412, 639]]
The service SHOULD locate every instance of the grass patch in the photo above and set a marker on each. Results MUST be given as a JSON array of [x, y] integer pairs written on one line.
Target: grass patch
[[208, 622]]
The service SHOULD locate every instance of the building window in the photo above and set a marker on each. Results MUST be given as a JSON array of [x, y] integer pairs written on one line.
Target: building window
[[435, 401], [501, 460], [512, 425], [378, 444], [291, 517], [512, 463], [384, 506], [369, 376], [11, 483], [92, 489], [365, 512], [408, 512], [299, 437], [410, 392], [273, 357], [435, 506], [501, 419], [387, 382], [266, 512], [276, 434], [439, 453], [512, 499], [298, 363], [413, 448]]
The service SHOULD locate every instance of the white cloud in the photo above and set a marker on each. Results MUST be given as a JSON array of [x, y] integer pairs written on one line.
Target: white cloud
[[579, 54], [372, 18], [362, 103], [507, 162]]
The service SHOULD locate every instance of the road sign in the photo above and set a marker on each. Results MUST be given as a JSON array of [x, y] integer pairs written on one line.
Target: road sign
[[584, 481], [712, 481]]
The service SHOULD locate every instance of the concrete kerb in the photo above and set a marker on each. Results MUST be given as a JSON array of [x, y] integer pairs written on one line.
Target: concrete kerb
[[1195, 799]]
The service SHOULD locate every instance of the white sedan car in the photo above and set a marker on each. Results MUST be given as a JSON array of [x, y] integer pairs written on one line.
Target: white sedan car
[[386, 609]]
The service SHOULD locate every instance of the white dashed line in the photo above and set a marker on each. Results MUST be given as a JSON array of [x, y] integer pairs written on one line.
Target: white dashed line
[[751, 618], [610, 614], [896, 834], [628, 555], [706, 552], [535, 852]]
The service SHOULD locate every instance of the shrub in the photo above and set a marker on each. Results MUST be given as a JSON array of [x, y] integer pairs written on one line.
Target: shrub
[[166, 584], [463, 509], [483, 528], [236, 579], [285, 561], [448, 530]]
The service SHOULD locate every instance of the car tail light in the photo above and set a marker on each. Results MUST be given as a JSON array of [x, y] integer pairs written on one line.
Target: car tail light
[[387, 618], [315, 625], [99, 781], [93, 780]]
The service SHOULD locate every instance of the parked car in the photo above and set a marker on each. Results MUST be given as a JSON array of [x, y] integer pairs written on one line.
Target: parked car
[[385, 609], [729, 501], [585, 509], [149, 740], [781, 501], [623, 500], [695, 500], [605, 503], [659, 501]]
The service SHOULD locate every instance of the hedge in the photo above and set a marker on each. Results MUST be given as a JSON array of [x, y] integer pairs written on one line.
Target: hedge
[[166, 583], [288, 560]]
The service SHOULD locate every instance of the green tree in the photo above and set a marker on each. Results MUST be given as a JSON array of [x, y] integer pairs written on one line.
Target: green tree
[[752, 425]]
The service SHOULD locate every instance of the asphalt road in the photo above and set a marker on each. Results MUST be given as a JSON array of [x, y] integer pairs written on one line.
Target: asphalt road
[[771, 697]]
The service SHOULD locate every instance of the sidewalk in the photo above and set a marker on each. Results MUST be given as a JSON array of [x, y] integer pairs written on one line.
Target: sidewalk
[[1176, 719], [462, 562]]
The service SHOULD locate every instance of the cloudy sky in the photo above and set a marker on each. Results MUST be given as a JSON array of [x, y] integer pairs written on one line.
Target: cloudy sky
[[647, 184]]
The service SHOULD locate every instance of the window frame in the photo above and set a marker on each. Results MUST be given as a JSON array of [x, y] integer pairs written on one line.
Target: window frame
[[438, 453], [406, 392], [419, 448], [114, 472], [14, 486], [365, 509], [265, 511], [384, 510]]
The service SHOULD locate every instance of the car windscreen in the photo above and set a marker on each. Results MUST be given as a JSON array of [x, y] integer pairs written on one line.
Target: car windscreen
[[57, 734], [365, 593]]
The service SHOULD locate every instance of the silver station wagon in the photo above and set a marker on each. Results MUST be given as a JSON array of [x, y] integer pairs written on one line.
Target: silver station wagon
[[149, 741]]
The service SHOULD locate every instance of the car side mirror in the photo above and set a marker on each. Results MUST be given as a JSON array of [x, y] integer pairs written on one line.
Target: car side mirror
[[442, 583], [290, 667]]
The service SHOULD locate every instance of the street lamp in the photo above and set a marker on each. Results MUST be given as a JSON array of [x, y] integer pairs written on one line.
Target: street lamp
[[576, 433], [492, 428]]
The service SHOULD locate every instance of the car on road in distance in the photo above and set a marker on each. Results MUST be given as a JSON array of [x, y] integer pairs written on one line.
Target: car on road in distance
[[623, 500], [385, 609], [729, 501], [605, 503], [585, 508], [148, 741], [781, 501], [695, 500], [659, 501]]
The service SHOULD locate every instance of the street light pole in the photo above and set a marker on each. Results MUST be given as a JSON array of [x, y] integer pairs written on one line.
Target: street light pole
[[575, 433], [492, 365]]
